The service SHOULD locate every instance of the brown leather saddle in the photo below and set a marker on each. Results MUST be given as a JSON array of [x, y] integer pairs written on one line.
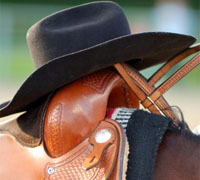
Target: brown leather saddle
[[67, 136], [72, 139]]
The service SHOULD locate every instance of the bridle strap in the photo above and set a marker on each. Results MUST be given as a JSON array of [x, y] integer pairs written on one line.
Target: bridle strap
[[142, 90], [171, 63], [150, 97], [177, 76]]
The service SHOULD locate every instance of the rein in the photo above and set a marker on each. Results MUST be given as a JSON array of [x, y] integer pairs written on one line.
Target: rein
[[151, 97]]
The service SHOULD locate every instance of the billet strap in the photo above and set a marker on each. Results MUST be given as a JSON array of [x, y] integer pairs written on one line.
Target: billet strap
[[168, 65], [151, 98]]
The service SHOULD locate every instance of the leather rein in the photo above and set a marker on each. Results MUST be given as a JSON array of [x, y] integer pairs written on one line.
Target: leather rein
[[151, 97]]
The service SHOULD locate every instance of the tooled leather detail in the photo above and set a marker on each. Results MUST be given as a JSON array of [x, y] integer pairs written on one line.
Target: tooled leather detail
[[128, 99], [72, 169], [165, 68], [99, 148], [71, 165], [139, 80], [55, 129], [144, 90], [179, 74], [98, 80]]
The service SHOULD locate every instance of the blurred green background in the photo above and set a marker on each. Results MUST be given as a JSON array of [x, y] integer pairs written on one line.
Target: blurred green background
[[180, 16], [16, 16]]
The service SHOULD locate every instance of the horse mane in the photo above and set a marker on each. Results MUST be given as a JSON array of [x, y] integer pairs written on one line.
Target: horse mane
[[185, 132], [182, 124]]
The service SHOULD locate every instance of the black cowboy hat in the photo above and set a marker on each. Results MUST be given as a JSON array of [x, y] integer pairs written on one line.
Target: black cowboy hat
[[75, 42]]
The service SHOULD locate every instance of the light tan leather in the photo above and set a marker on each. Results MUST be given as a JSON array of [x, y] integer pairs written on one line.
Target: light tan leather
[[34, 164], [19, 162], [99, 148], [76, 109]]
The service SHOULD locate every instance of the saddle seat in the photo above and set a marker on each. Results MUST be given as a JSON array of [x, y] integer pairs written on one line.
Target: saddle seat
[[58, 137]]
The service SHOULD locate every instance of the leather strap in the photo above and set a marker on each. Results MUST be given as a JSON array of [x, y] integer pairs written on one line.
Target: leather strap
[[177, 76], [142, 90], [150, 97], [167, 66], [83, 103], [96, 157]]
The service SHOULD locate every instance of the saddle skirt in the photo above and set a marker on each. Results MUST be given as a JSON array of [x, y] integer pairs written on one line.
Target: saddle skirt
[[76, 141]]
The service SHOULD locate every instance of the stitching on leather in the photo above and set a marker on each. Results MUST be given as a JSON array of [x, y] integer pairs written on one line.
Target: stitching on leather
[[61, 133], [127, 98], [139, 81], [165, 107], [71, 168], [98, 81], [161, 103], [55, 131], [164, 69], [179, 74]]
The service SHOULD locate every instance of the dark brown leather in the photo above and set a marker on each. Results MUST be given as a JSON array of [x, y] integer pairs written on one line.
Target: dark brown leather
[[76, 109]]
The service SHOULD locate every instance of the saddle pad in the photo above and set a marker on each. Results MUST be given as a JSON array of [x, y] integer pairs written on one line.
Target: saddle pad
[[145, 132]]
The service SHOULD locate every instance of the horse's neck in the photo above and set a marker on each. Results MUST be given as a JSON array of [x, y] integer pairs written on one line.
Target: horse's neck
[[178, 158]]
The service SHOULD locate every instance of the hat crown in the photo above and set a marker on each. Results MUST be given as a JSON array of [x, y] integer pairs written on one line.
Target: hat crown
[[75, 29]]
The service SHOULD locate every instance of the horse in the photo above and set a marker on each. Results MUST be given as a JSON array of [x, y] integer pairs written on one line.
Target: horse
[[37, 137], [178, 156], [70, 127]]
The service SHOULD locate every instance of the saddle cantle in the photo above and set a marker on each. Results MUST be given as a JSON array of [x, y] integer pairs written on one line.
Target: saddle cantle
[[64, 134], [73, 130]]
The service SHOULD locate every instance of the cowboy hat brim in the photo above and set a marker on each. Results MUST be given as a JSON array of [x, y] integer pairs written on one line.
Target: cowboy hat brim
[[141, 50]]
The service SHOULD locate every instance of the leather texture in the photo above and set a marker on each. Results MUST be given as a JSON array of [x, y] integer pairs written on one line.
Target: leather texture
[[74, 115], [77, 163], [27, 127], [144, 90], [171, 63], [35, 164], [76, 109], [150, 97]]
